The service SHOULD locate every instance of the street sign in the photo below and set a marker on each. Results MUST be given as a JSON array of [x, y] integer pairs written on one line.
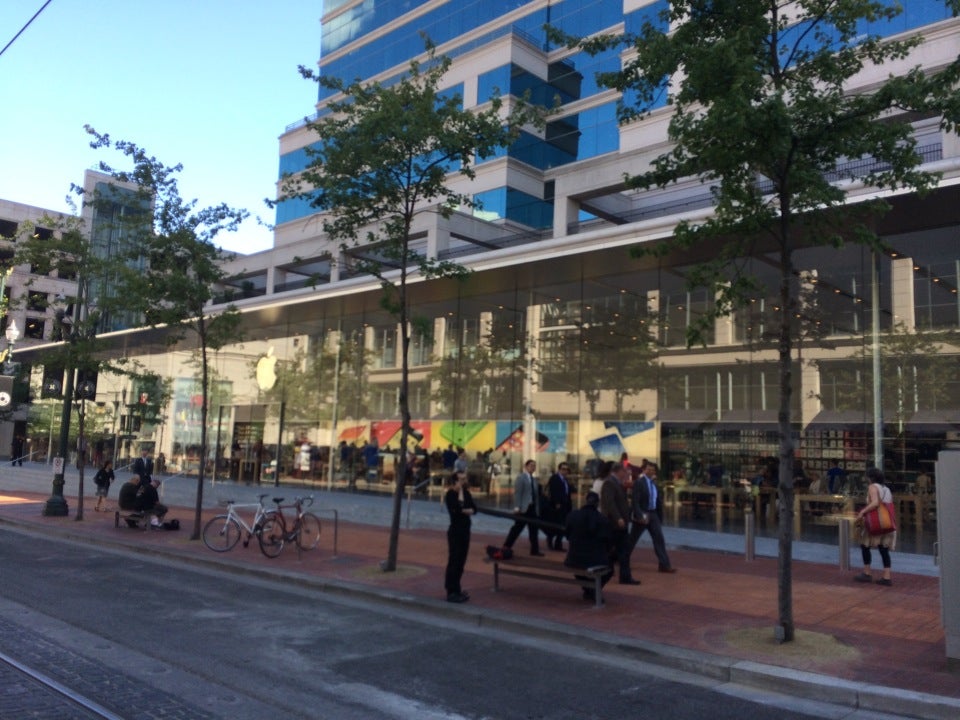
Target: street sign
[[6, 391]]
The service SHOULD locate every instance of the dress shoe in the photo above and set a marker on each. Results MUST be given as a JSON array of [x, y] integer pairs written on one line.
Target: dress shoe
[[457, 598], [667, 569], [630, 581], [558, 546], [537, 554]]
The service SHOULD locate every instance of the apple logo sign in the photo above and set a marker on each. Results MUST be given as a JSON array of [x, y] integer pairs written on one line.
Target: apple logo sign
[[266, 371]]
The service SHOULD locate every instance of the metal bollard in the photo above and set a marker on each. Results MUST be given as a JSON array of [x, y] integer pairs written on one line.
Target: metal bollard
[[749, 534], [844, 544]]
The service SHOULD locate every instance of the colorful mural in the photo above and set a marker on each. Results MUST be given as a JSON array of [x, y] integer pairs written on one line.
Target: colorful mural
[[607, 440]]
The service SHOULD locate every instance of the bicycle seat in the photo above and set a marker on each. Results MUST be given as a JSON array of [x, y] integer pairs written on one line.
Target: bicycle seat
[[278, 500]]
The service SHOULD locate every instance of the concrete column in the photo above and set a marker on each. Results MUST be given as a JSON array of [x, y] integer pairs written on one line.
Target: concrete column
[[902, 295]]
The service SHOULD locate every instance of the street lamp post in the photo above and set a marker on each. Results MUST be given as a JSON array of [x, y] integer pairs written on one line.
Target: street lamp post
[[13, 334], [56, 505], [117, 430]]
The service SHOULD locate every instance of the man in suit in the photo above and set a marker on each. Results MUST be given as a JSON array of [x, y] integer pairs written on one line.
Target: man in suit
[[558, 490], [590, 538], [143, 466], [526, 499], [616, 508], [648, 515]]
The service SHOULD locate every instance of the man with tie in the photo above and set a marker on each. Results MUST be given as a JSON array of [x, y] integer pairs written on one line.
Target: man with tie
[[143, 466], [558, 490], [648, 515], [526, 498]]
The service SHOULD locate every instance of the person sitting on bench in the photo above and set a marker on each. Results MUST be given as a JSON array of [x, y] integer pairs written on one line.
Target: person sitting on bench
[[127, 498], [148, 502], [590, 538]]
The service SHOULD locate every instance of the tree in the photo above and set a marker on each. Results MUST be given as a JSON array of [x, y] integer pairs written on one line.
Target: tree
[[182, 271], [67, 252], [763, 114], [384, 156]]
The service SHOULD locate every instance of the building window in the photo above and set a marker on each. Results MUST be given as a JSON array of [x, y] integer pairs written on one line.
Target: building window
[[34, 328], [936, 299], [37, 301], [385, 347]]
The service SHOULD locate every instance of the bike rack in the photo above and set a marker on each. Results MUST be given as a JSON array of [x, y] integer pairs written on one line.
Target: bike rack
[[336, 521]]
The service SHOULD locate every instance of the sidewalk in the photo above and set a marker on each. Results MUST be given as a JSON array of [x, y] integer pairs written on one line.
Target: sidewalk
[[714, 617]]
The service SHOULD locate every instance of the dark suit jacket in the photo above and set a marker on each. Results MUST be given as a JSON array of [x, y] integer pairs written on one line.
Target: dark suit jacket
[[641, 498], [143, 468], [590, 537], [559, 495]]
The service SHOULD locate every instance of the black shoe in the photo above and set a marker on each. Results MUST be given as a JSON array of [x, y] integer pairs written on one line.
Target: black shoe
[[629, 581], [667, 569], [537, 553], [457, 598]]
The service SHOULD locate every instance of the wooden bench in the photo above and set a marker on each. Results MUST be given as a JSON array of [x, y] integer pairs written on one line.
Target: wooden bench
[[537, 568], [132, 518]]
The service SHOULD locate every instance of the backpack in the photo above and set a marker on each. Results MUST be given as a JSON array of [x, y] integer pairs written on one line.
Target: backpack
[[171, 524]]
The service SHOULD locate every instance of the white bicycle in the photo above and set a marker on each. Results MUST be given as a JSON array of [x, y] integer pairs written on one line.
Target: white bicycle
[[223, 532]]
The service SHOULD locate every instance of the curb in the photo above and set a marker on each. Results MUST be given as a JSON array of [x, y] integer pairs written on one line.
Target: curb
[[720, 669]]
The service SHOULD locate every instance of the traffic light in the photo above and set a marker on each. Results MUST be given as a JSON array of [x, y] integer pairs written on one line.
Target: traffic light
[[52, 382], [86, 384]]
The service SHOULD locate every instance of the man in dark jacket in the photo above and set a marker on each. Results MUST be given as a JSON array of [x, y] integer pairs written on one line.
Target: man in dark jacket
[[143, 466], [615, 506], [560, 504], [590, 538], [648, 515]]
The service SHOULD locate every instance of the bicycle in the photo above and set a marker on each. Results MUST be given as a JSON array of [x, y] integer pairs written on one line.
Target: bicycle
[[276, 531], [223, 532]]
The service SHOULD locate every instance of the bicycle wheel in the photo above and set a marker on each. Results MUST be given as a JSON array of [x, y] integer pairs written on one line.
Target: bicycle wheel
[[309, 533], [271, 537], [221, 533]]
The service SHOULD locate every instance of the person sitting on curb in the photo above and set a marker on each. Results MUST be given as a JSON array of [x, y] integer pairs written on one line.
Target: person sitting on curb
[[590, 539], [148, 502]]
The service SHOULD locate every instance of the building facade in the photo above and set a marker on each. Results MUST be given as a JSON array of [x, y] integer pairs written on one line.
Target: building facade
[[562, 344]]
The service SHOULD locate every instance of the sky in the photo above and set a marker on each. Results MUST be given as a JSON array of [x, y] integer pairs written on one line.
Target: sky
[[211, 84]]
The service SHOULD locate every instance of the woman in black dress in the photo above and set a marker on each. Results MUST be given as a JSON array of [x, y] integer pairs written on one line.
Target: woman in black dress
[[460, 506]]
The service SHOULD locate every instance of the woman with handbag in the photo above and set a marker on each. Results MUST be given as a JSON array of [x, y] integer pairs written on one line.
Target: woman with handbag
[[877, 527]]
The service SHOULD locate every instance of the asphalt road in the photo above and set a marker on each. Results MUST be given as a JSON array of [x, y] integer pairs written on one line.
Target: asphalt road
[[151, 639]]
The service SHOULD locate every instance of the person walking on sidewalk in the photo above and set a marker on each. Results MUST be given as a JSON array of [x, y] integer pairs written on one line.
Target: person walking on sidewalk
[[878, 493], [460, 506], [558, 491], [648, 515], [526, 499], [102, 480], [614, 505]]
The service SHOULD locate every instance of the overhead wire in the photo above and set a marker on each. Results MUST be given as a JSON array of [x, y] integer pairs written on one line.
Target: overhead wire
[[20, 32]]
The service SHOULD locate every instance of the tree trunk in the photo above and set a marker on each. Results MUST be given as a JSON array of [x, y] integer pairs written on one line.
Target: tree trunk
[[204, 407], [390, 564], [785, 480]]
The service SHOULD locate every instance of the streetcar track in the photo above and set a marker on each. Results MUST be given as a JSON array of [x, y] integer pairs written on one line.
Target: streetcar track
[[61, 690]]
